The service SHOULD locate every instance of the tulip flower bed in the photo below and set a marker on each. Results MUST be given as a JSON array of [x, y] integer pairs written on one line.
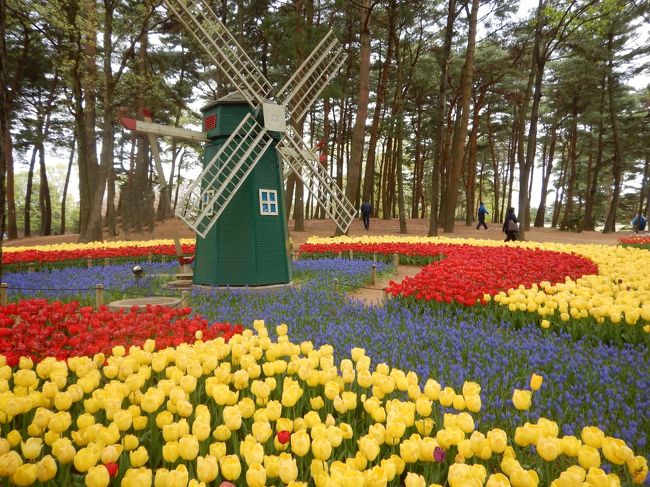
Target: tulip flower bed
[[637, 241], [68, 254], [584, 382], [576, 287], [37, 329], [256, 411]]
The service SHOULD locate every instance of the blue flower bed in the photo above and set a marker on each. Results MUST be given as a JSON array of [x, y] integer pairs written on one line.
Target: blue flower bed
[[585, 381]]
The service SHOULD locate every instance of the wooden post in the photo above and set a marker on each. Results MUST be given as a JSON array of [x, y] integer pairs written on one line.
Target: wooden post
[[373, 274], [336, 285], [149, 258], [99, 295], [3, 293], [297, 254], [185, 299], [106, 261], [395, 260], [89, 261], [351, 254], [374, 256], [340, 254]]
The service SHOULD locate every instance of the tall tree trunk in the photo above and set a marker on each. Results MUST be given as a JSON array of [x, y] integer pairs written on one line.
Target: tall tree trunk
[[560, 189], [470, 188], [588, 222], [548, 168], [369, 176], [441, 117], [4, 123], [27, 217], [64, 196], [45, 201], [495, 169], [460, 127], [11, 96], [358, 132], [617, 166], [85, 81], [572, 170]]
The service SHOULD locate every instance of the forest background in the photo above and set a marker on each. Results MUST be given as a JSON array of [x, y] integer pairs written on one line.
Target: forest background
[[439, 105]]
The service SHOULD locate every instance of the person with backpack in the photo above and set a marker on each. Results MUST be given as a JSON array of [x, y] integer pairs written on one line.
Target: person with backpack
[[481, 216], [510, 226]]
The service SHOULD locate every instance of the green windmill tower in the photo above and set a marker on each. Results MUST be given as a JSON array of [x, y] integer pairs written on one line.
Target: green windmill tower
[[236, 206]]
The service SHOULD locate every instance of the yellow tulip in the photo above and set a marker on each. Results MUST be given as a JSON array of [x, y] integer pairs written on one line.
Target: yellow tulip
[[230, 467], [31, 448], [300, 443], [256, 475], [139, 457], [25, 474], [497, 440], [63, 450], [85, 459], [130, 442], [368, 447], [321, 449], [188, 447], [521, 399], [207, 468], [588, 457], [414, 480], [536, 382], [497, 480], [46, 468], [592, 436], [524, 478], [97, 476], [548, 448]]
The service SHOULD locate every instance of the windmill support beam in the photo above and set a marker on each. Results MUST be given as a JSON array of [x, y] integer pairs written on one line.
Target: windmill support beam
[[163, 130]]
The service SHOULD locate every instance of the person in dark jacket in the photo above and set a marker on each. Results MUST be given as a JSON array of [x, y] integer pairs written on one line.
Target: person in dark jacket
[[366, 209], [510, 227], [481, 216]]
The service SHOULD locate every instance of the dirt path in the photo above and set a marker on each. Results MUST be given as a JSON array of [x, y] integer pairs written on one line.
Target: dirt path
[[323, 228], [374, 295]]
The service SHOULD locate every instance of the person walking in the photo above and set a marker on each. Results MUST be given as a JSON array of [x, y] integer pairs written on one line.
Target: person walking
[[639, 223], [481, 216], [510, 226], [366, 209]]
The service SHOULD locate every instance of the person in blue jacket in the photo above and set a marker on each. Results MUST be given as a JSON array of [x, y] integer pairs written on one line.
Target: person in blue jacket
[[639, 223], [481, 216]]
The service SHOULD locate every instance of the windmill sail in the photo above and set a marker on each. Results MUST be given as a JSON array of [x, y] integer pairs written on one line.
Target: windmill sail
[[317, 180], [218, 43], [301, 90], [211, 192]]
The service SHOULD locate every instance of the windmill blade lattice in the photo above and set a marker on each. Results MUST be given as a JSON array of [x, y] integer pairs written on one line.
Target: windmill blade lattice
[[211, 192], [301, 90], [203, 24], [328, 194]]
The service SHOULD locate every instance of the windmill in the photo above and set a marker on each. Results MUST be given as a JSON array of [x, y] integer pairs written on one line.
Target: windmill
[[248, 137]]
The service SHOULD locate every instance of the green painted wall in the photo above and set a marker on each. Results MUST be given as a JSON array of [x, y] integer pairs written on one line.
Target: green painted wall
[[244, 248]]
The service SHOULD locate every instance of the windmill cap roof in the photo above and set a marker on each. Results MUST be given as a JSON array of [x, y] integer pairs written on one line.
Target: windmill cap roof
[[234, 98]]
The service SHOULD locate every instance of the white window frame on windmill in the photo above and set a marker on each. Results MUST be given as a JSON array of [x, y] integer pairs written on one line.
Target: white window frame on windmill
[[207, 196], [268, 205]]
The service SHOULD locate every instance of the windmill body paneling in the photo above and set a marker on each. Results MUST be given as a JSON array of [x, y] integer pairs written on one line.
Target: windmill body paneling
[[245, 247]]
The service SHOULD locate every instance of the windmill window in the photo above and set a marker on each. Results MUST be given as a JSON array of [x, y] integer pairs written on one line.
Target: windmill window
[[268, 202]]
